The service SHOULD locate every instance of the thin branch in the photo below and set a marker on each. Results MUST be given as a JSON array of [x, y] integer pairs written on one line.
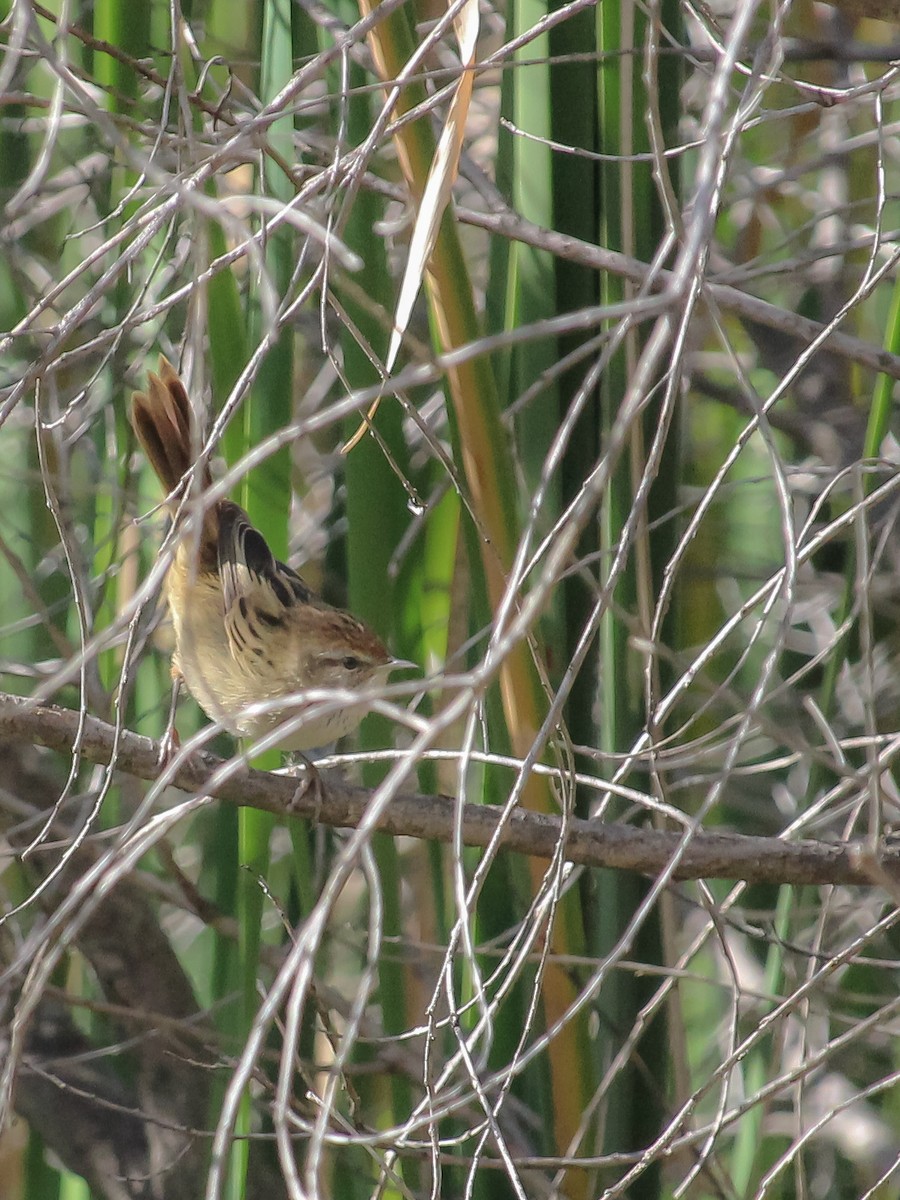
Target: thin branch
[[508, 224], [592, 844]]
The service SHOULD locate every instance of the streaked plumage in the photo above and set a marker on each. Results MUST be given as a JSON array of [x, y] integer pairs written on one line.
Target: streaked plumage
[[247, 628]]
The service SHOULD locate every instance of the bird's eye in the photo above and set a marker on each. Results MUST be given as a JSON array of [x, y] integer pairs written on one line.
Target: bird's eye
[[350, 663]]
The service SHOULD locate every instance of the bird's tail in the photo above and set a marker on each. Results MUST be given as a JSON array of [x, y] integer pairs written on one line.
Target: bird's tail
[[164, 425]]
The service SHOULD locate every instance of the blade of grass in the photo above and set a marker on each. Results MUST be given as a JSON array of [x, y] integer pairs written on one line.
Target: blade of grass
[[266, 496], [629, 219], [483, 449], [377, 516]]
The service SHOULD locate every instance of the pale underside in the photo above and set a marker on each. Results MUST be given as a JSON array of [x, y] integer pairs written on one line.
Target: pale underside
[[284, 664]]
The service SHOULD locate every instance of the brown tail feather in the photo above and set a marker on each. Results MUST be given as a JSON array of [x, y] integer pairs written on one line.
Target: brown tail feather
[[164, 425], [162, 420]]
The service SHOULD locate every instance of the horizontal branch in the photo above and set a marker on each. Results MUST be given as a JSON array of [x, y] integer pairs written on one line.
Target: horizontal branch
[[588, 843]]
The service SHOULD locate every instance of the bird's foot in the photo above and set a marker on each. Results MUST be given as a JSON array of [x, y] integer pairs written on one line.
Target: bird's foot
[[310, 787]]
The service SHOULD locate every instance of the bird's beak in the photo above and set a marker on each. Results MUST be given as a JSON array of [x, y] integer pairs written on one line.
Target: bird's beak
[[402, 664]]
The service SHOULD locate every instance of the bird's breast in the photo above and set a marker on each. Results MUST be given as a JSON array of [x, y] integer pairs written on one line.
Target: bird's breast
[[227, 686]]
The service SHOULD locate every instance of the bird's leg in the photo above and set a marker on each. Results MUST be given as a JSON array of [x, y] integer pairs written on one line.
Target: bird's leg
[[170, 743], [310, 782]]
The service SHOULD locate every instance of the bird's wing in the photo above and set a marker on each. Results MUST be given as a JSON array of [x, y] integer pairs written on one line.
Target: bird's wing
[[258, 591]]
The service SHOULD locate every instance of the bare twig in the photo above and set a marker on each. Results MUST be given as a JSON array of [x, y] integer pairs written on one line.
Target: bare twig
[[342, 805]]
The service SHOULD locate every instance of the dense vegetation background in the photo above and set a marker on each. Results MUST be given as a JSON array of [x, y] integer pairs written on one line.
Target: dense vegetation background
[[629, 499]]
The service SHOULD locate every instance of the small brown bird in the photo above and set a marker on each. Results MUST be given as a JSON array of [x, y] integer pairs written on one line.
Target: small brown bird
[[247, 628]]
